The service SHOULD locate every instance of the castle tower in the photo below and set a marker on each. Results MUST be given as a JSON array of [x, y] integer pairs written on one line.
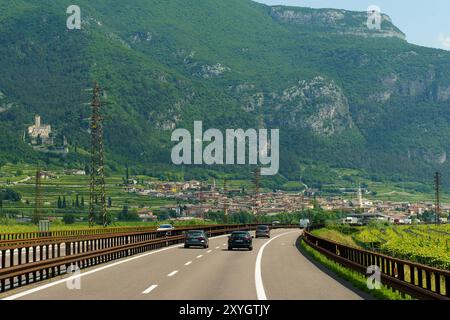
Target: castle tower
[[37, 121], [360, 200]]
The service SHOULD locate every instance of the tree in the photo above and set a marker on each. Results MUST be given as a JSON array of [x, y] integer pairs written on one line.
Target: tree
[[10, 194], [59, 202], [109, 202], [163, 216], [82, 201], [125, 209], [64, 204], [77, 201], [69, 218], [173, 213], [126, 215]]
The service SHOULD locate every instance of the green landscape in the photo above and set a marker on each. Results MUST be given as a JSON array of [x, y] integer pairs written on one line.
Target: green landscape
[[172, 66], [425, 244]]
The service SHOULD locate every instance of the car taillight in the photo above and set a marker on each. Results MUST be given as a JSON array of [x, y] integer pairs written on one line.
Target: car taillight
[[200, 238]]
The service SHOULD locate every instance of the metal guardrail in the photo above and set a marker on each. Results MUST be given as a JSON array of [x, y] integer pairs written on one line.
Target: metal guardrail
[[67, 233], [32, 260], [417, 280]]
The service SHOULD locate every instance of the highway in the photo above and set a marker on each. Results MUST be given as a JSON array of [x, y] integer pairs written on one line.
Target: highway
[[275, 269]]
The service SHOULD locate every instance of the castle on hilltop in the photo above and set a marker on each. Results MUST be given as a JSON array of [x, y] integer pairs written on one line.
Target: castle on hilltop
[[40, 134]]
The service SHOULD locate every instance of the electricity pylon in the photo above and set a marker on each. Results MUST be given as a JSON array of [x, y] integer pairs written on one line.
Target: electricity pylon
[[97, 195], [38, 203]]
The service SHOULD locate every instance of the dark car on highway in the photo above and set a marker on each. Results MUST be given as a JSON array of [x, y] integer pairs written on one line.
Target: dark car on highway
[[197, 238], [240, 239], [262, 231]]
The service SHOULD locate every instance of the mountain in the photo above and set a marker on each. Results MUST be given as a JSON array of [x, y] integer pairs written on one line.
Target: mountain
[[342, 95]]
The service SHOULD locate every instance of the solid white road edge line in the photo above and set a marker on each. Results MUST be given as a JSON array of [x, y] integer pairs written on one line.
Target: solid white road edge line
[[149, 289], [260, 292], [54, 283]]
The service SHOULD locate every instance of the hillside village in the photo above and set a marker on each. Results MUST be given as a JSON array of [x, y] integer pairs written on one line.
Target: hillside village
[[203, 199]]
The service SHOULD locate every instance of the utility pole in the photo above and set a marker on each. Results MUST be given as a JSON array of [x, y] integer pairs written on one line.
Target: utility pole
[[437, 183], [256, 184], [302, 199], [202, 214], [37, 214], [97, 181], [225, 195]]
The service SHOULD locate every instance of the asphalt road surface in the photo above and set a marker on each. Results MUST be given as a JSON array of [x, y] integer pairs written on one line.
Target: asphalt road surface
[[275, 269]]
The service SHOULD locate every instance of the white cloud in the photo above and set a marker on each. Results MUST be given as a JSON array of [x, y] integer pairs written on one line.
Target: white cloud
[[444, 41]]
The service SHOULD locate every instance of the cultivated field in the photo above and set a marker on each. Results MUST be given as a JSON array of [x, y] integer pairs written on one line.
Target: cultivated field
[[426, 244]]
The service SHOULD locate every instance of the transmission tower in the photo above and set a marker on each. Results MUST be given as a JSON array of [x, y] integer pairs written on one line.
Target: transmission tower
[[256, 185], [38, 203], [97, 196], [437, 183]]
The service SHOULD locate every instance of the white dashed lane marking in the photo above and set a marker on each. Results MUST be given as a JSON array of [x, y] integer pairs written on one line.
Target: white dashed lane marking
[[149, 289], [172, 273]]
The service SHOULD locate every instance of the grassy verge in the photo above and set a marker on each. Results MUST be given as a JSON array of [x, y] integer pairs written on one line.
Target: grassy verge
[[355, 278], [335, 236]]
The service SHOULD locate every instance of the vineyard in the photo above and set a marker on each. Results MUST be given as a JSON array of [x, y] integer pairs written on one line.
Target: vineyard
[[426, 244]]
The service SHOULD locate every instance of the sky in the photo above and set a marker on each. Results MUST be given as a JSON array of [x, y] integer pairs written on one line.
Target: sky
[[425, 23]]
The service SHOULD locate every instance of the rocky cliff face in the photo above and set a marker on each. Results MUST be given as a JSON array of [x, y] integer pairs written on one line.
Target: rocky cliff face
[[340, 22], [317, 104], [5, 104]]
